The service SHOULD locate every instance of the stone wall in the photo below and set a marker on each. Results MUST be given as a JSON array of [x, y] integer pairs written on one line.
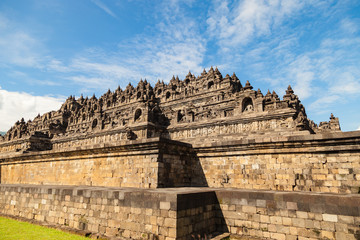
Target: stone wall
[[147, 163], [109, 212], [236, 127], [180, 213], [115, 212], [198, 214], [290, 216], [318, 163]]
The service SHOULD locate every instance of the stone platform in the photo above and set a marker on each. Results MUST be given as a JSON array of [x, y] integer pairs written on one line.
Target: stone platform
[[318, 163], [180, 213]]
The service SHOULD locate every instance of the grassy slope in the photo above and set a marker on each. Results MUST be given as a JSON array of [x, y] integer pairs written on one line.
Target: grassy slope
[[16, 230]]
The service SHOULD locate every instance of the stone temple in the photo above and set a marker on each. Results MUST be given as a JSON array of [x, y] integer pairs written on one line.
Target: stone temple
[[204, 157]]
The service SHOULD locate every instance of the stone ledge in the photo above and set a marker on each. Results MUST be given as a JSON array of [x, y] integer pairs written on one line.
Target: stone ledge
[[140, 146], [305, 196], [349, 141]]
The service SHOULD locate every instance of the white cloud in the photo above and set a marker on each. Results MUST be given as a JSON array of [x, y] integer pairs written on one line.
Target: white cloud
[[238, 24], [98, 71], [19, 48], [105, 68], [326, 71], [170, 58], [104, 8], [28, 79], [17, 105], [3, 22], [330, 68], [176, 48], [154, 59], [321, 104], [57, 65], [358, 129], [347, 84], [301, 72], [92, 82], [349, 26]]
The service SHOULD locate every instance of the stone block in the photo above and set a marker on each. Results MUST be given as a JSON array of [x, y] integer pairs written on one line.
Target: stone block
[[260, 203], [309, 233], [255, 225], [291, 237], [327, 235], [275, 220], [298, 222], [172, 232], [286, 221], [111, 231], [272, 228], [293, 231], [224, 207], [148, 228], [148, 212], [318, 216], [328, 226], [234, 215], [170, 222], [346, 219], [160, 221], [301, 214], [172, 214], [165, 205], [126, 233], [341, 227], [278, 236], [249, 209], [282, 229], [330, 217], [232, 207], [163, 231], [341, 235], [233, 230]]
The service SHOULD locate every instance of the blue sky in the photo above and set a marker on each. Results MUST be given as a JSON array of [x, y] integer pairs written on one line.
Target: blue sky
[[55, 48]]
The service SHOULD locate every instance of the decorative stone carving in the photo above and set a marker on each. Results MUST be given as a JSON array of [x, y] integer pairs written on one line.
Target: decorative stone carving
[[195, 106], [130, 135], [332, 125]]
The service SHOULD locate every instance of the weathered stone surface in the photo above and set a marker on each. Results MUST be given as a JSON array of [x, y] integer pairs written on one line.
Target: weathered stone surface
[[239, 138], [149, 163], [205, 215], [205, 131], [287, 164], [207, 106]]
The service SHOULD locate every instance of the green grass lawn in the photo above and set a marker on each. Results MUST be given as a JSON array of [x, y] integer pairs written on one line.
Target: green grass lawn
[[16, 230]]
